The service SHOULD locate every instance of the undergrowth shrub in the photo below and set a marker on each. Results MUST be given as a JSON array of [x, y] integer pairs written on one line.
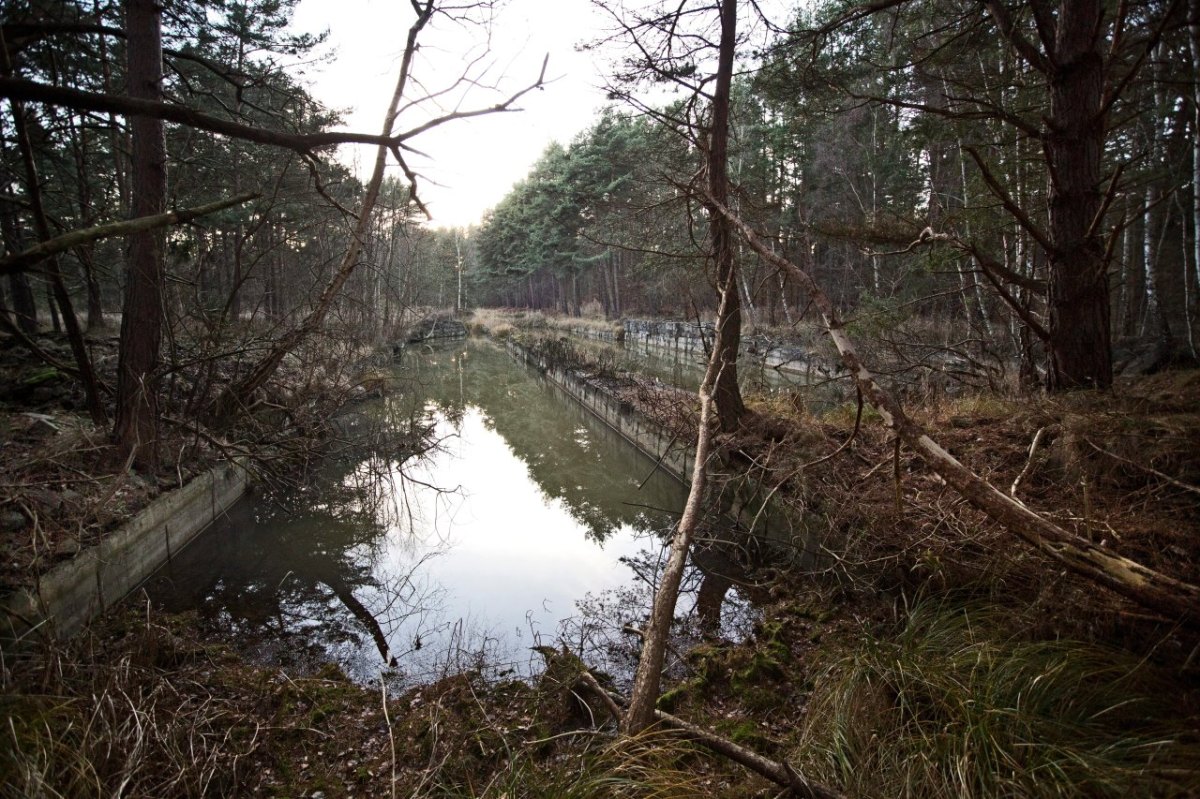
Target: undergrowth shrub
[[955, 706]]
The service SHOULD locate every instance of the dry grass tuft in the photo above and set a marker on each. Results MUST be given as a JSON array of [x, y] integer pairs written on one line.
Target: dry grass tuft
[[955, 705]]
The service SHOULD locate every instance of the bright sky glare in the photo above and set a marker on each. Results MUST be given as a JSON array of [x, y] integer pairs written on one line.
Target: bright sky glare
[[471, 163]]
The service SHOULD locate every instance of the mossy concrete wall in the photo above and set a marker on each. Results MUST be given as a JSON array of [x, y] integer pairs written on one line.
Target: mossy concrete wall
[[73, 592], [674, 456]]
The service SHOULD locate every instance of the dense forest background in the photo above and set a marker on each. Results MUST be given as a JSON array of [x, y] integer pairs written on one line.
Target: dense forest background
[[990, 209], [916, 167], [940, 167]]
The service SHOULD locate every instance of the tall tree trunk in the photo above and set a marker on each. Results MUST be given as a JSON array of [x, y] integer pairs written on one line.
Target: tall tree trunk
[[95, 297], [56, 289], [55, 322], [24, 307], [142, 314], [1194, 43], [85, 253], [117, 139], [617, 311], [727, 396], [1080, 336], [1154, 219], [1132, 254]]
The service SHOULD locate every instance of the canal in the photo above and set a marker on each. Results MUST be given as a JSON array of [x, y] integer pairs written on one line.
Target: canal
[[527, 522]]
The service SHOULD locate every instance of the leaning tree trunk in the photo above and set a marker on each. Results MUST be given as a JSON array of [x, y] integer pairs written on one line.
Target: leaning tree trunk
[[56, 288], [646, 681], [238, 395], [726, 394], [142, 314]]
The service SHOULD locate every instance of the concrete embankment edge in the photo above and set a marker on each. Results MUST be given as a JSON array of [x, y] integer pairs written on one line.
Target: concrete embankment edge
[[64, 599], [673, 455], [745, 500]]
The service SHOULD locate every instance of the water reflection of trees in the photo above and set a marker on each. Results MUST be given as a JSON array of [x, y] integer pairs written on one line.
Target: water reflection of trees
[[309, 574], [301, 565], [605, 630], [566, 450], [304, 581]]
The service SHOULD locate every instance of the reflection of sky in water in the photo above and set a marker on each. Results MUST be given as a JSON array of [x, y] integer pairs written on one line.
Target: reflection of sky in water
[[524, 508], [510, 558]]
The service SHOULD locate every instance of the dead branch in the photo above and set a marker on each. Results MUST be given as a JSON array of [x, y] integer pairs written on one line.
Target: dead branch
[[222, 409], [1133, 580], [777, 772], [1166, 477], [1029, 463], [22, 261]]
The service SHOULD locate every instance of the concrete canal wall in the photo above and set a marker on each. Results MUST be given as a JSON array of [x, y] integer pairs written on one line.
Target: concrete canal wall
[[741, 499], [64, 599], [675, 456], [687, 338]]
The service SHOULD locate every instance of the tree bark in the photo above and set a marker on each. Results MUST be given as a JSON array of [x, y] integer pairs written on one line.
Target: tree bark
[[1080, 343], [136, 422], [727, 394], [1079, 340]]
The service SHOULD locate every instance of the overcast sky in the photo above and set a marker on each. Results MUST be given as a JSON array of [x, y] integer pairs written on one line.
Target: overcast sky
[[475, 161]]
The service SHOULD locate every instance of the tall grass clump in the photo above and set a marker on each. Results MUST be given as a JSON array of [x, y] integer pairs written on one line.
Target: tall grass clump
[[954, 706], [78, 726], [653, 765]]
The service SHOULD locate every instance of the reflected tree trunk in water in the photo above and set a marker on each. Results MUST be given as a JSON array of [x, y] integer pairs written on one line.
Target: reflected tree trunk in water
[[360, 612]]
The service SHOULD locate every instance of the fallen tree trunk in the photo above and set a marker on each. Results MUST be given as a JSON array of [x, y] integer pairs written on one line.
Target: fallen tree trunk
[[1135, 581]]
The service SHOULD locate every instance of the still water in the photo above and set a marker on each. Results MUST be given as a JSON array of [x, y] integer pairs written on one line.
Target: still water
[[462, 558]]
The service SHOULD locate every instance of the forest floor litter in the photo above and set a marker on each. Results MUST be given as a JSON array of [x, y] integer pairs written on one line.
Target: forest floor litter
[[910, 664]]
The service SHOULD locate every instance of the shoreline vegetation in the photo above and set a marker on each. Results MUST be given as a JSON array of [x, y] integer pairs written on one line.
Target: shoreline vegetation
[[929, 657], [978, 240]]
